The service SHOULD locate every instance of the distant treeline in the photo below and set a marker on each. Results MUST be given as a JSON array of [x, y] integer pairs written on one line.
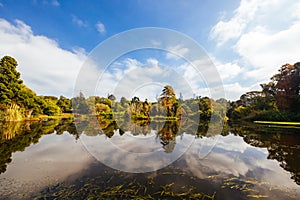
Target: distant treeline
[[278, 100], [18, 102]]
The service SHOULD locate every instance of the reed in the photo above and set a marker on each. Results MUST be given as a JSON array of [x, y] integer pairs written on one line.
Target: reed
[[13, 113]]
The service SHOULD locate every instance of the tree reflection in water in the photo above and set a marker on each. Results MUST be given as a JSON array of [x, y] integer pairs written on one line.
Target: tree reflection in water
[[283, 145], [16, 136], [167, 135]]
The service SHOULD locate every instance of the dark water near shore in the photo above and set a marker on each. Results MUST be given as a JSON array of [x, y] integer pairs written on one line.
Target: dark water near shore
[[178, 160]]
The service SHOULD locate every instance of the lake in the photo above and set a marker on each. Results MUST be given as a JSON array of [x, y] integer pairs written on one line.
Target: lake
[[62, 159]]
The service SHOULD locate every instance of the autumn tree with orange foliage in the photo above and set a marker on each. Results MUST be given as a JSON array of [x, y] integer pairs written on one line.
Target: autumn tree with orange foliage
[[284, 87]]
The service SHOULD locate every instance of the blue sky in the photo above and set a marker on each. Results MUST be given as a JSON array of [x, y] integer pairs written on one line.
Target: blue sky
[[246, 40], [72, 23]]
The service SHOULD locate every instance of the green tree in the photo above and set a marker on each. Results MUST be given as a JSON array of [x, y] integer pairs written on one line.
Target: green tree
[[105, 101], [51, 108], [10, 82], [65, 104], [13, 91], [124, 102]]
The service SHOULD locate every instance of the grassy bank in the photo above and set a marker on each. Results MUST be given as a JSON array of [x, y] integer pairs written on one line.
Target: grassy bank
[[278, 123], [43, 117]]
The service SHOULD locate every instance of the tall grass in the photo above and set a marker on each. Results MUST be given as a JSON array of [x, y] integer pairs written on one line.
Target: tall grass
[[12, 113]]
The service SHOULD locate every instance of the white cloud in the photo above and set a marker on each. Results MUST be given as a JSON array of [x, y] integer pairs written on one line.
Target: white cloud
[[152, 61], [205, 77], [136, 79], [263, 34], [100, 27], [147, 156], [195, 80], [55, 3], [247, 15], [267, 51], [156, 42], [223, 31], [1, 4], [87, 78], [233, 28], [131, 64], [175, 52], [78, 21], [234, 90], [130, 77], [45, 67], [227, 71], [231, 156]]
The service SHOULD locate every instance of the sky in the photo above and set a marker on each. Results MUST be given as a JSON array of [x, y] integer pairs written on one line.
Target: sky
[[247, 41]]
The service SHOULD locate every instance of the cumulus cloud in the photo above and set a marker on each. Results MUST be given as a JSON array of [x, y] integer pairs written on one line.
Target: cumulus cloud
[[251, 13], [175, 52], [78, 21], [100, 27], [205, 77], [270, 50], [227, 70], [45, 67], [232, 28], [130, 77], [263, 34]]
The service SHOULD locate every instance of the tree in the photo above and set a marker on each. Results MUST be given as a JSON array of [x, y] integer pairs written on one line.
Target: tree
[[135, 106], [168, 93], [14, 92], [169, 101], [65, 104], [105, 101], [100, 107], [29, 100], [124, 102], [284, 87], [51, 108], [111, 97], [10, 82], [79, 104]]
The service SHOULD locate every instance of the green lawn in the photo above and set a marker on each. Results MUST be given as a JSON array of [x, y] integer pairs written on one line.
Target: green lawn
[[278, 123]]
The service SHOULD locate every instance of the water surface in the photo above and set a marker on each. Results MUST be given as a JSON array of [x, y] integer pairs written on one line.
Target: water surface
[[53, 159]]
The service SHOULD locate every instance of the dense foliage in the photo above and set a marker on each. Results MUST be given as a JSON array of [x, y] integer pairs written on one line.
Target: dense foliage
[[18, 102], [279, 100]]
